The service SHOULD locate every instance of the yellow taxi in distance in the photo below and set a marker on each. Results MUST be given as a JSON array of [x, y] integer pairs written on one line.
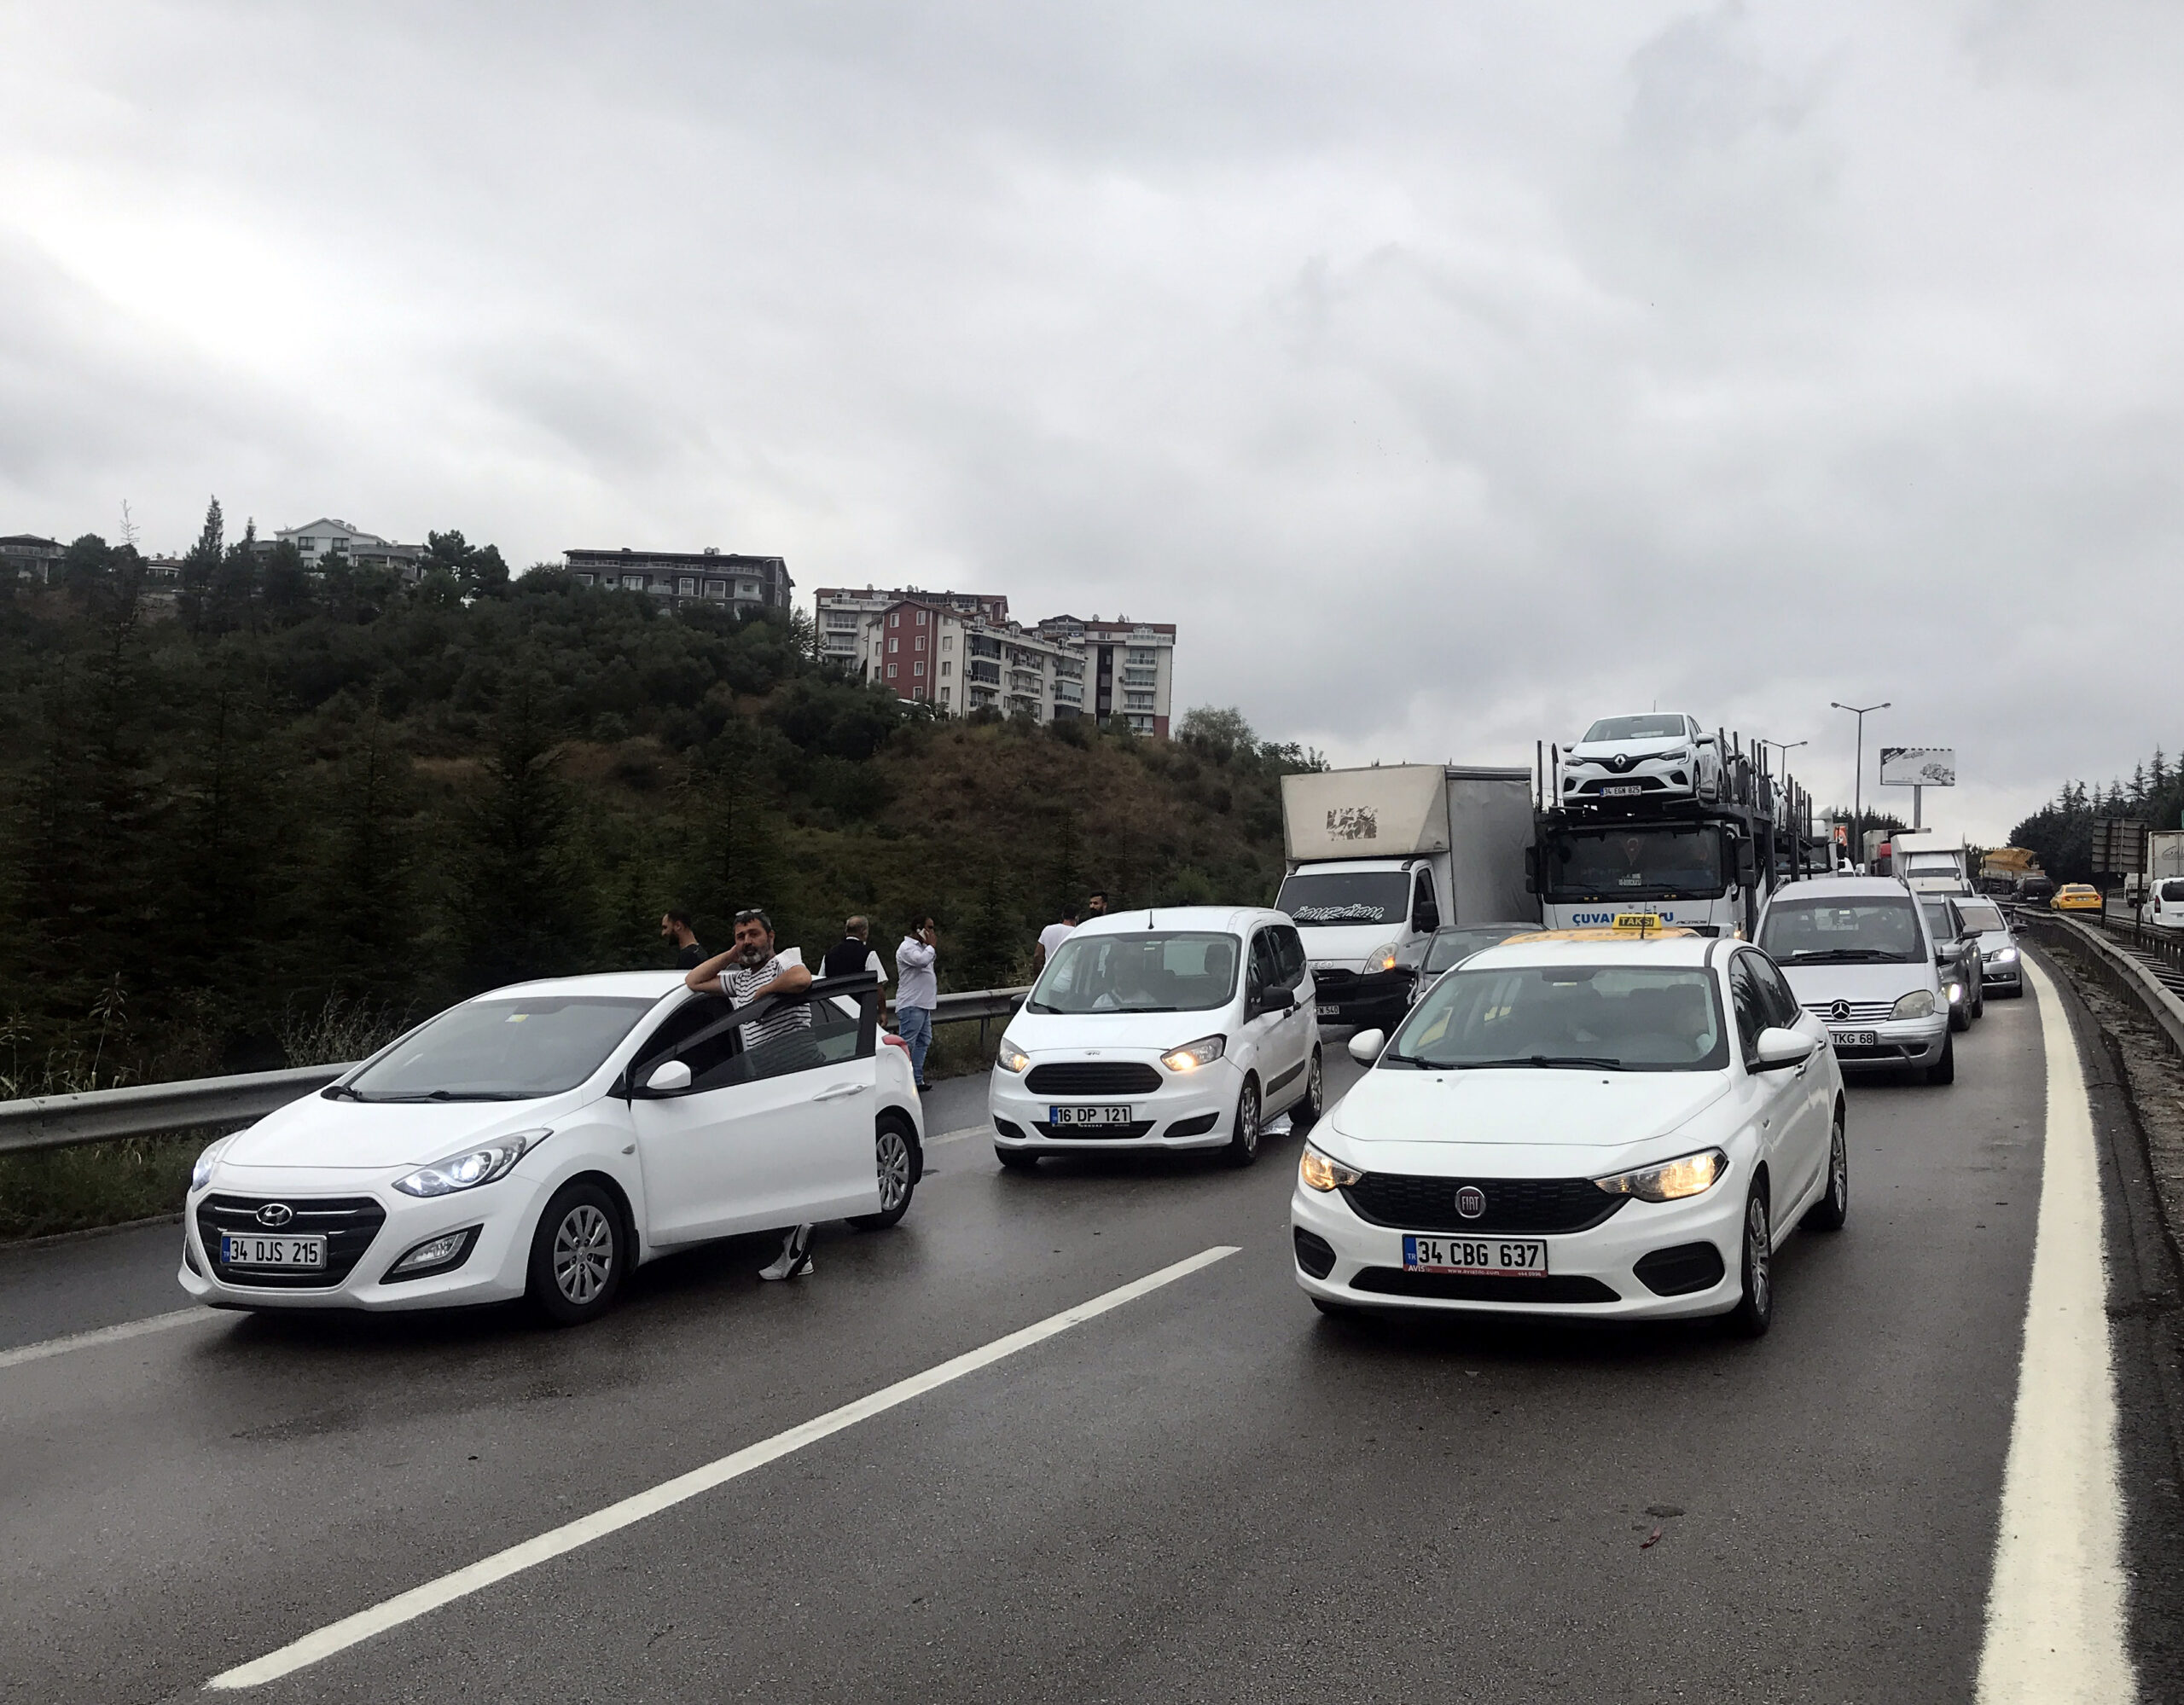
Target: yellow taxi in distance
[[2075, 896]]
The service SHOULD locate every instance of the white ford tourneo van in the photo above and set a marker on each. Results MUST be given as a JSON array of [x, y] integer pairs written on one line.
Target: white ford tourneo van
[[1184, 1028]]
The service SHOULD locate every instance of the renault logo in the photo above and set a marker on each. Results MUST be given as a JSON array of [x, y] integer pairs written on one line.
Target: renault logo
[[1470, 1202], [1839, 1011], [1620, 761], [276, 1214]]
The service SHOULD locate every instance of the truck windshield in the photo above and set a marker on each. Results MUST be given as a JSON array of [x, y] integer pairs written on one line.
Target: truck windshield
[[1671, 862], [1635, 728], [1142, 970], [1842, 932], [1345, 897], [502, 1050], [1612, 1017]]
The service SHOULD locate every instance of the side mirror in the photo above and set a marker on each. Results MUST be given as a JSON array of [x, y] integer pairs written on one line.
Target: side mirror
[[1777, 1047], [668, 1076], [1365, 1047], [1275, 1000]]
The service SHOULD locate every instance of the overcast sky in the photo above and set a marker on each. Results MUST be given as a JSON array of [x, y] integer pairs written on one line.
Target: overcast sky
[[1449, 374]]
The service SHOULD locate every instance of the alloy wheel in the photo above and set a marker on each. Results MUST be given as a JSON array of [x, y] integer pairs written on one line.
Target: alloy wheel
[[894, 1157], [584, 1253], [1757, 1256], [1315, 1086], [1838, 1172]]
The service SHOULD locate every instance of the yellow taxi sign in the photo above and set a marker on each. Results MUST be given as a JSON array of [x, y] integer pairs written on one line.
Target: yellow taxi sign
[[1604, 933], [1644, 923]]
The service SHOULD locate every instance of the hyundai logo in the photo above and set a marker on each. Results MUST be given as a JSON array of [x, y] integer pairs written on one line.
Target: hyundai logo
[[276, 1214], [1839, 1011], [1470, 1202]]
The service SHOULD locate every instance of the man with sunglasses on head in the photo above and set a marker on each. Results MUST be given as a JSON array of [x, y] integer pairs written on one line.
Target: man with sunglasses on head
[[749, 971]]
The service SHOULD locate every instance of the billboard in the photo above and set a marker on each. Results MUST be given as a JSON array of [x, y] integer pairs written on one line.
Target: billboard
[[2119, 846], [1918, 766]]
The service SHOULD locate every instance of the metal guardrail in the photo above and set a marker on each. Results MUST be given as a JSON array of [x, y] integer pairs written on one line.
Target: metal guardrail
[[145, 1110], [2123, 972]]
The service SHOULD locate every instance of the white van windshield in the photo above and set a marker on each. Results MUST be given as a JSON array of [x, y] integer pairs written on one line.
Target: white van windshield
[[1142, 970], [1316, 898]]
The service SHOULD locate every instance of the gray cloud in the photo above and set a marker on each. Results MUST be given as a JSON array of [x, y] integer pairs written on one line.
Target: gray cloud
[[1451, 378]]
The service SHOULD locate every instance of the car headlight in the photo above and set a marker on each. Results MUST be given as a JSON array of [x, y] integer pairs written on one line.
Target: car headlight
[[1918, 1004], [2002, 956], [1319, 1171], [473, 1167], [201, 1174], [1010, 1058], [1384, 959], [1672, 1180], [1192, 1055]]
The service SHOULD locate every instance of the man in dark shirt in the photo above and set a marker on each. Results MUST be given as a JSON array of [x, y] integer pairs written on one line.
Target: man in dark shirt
[[853, 955], [675, 930]]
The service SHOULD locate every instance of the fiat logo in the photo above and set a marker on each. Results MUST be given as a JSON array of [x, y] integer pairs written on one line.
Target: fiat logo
[[1839, 1011], [1470, 1202], [276, 1214]]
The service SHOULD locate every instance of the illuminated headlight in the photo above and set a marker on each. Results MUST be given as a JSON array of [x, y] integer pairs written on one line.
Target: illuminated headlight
[[1318, 1171], [1955, 993], [1918, 1004], [201, 1174], [2002, 956], [473, 1167], [1672, 1180], [1384, 959], [1192, 1055], [1010, 1058]]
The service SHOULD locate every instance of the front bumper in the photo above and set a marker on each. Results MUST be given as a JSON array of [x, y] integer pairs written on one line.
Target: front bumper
[[1197, 1111], [494, 1270], [1607, 1255], [1898, 1042], [2001, 974]]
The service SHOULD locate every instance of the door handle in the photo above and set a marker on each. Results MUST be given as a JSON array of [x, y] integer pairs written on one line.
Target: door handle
[[839, 1090], [1802, 1069]]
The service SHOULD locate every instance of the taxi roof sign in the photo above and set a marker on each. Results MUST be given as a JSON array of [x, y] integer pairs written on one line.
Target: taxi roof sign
[[1628, 926]]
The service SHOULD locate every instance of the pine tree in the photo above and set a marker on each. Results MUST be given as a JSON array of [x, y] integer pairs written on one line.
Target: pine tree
[[200, 567]]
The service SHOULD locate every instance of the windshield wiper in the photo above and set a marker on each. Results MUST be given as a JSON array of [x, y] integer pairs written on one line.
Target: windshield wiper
[[1547, 1060], [339, 1092], [1816, 955]]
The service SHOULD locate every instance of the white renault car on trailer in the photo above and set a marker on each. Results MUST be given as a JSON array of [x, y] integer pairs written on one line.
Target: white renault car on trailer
[[1188, 1027], [541, 1140], [1589, 1122]]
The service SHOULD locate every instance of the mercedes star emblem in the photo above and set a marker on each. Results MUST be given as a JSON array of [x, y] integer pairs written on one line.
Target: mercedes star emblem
[[1839, 1011]]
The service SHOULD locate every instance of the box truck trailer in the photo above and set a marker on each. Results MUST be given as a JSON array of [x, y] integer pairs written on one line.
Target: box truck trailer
[[1380, 858]]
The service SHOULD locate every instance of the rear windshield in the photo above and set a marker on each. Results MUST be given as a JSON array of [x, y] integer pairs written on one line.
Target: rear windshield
[[1980, 916], [1318, 898], [502, 1050], [1635, 728], [2172, 891], [1451, 948], [1884, 930], [1608, 1017], [1148, 970]]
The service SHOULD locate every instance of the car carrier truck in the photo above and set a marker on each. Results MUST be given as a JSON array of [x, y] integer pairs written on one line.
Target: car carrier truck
[[1380, 858]]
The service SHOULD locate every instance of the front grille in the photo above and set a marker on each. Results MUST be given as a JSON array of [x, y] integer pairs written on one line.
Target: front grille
[[1513, 1204], [350, 1223], [1093, 1077], [1484, 1287], [1859, 1012], [1093, 1134], [1886, 1053]]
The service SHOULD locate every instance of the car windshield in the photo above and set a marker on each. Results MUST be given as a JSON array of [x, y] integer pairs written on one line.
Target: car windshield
[[1451, 948], [1883, 930], [1613, 1017], [1142, 970], [1635, 728], [1669, 862], [1979, 916], [513, 1050], [1318, 898]]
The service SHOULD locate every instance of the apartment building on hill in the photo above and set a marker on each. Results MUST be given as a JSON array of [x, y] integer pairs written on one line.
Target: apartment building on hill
[[679, 578]]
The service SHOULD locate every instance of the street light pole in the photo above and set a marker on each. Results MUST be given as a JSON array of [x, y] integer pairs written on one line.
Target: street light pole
[[1858, 781]]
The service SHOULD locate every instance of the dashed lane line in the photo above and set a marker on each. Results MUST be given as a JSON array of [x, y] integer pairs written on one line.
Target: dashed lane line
[[103, 1335], [419, 1600], [2055, 1631]]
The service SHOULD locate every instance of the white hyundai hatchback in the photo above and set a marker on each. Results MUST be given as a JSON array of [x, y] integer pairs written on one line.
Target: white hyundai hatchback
[[1186, 1028], [1582, 1124], [541, 1140]]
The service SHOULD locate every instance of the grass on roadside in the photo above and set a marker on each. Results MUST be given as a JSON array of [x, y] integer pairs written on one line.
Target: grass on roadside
[[97, 1184]]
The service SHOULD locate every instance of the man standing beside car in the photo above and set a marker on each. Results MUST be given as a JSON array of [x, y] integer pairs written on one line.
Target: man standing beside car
[[748, 972], [919, 993]]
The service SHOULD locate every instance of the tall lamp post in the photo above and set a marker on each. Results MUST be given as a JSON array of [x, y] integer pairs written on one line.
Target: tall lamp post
[[1858, 781], [1798, 831]]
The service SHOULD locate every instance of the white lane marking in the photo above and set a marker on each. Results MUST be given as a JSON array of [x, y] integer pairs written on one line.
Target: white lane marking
[[2055, 1606], [985, 1130], [408, 1606], [104, 1334]]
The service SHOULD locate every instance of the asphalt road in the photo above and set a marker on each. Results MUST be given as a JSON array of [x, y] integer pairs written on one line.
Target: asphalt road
[[1205, 1492]]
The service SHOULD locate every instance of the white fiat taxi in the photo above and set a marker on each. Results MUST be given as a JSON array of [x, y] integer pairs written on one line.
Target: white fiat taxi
[[1608, 1123]]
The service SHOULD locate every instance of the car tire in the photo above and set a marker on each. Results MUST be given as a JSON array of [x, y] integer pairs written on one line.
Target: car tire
[[1959, 1016], [1313, 1102], [578, 1254], [1016, 1160], [1244, 1137], [1943, 1070], [1754, 1309], [895, 1152], [1828, 1214], [1979, 998]]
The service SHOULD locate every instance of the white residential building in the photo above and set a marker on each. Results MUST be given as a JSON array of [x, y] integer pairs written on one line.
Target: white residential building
[[326, 536], [707, 576], [956, 660], [1131, 667]]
